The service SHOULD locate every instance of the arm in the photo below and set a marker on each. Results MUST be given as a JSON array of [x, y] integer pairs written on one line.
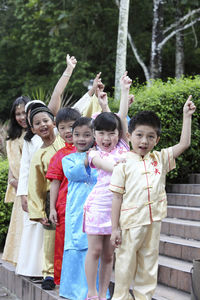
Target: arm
[[54, 190], [185, 140], [55, 102], [105, 165], [116, 238], [123, 109]]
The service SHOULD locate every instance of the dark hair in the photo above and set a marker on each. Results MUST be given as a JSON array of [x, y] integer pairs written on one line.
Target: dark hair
[[67, 114], [38, 110], [83, 121], [145, 118], [14, 129], [108, 121], [29, 134]]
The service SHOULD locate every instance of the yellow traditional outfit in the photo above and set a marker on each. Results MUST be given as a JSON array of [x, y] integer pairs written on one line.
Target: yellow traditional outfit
[[11, 249], [38, 187], [141, 180]]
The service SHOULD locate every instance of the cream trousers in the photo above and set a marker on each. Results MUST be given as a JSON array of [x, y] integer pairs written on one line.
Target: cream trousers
[[137, 262], [48, 255]]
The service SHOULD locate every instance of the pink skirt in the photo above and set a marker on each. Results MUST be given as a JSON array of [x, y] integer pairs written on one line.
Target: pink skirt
[[97, 220]]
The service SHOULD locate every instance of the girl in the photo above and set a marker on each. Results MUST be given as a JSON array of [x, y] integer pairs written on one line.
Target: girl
[[110, 135], [81, 179], [14, 145]]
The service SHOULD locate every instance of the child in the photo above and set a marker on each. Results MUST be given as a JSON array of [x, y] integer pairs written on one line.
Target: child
[[140, 203], [109, 135], [42, 122], [81, 179], [58, 190]]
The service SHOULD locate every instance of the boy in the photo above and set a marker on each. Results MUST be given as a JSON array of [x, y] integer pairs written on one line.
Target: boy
[[140, 203]]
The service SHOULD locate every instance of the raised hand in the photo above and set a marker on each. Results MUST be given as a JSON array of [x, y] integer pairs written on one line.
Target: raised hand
[[71, 61], [189, 107], [125, 81]]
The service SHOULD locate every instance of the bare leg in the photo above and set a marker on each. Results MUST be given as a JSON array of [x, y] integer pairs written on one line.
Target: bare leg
[[95, 245], [105, 266]]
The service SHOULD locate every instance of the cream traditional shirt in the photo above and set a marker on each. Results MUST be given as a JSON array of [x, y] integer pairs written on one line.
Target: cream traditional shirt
[[38, 185], [142, 183]]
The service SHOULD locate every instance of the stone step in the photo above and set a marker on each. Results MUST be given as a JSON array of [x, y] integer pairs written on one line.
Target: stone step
[[182, 212], [184, 188], [180, 248], [183, 200], [181, 228], [164, 292], [174, 273], [194, 178]]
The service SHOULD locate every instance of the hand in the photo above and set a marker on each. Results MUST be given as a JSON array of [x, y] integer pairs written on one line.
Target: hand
[[44, 221], [102, 98], [125, 81], [120, 160], [24, 203], [71, 61], [53, 217], [116, 238], [189, 107], [131, 99]]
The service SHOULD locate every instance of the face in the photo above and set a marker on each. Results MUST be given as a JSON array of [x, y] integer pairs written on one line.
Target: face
[[43, 125], [107, 140], [65, 130], [83, 138], [143, 139], [20, 115]]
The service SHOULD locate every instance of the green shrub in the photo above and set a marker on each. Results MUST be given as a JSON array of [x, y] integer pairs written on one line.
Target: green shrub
[[5, 208], [167, 100]]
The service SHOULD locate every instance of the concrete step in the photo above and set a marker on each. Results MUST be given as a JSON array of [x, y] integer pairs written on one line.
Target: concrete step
[[181, 228], [164, 292], [194, 178], [174, 273], [191, 200], [184, 188], [182, 212], [180, 248]]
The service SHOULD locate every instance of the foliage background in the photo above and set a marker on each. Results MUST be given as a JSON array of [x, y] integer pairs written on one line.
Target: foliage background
[[36, 35]]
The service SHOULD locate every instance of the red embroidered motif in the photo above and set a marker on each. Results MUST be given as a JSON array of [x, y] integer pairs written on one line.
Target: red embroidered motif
[[154, 163], [157, 171]]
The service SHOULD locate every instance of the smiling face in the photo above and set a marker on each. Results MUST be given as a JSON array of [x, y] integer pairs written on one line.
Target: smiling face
[[20, 115], [107, 140], [83, 138], [143, 139], [65, 130], [43, 125]]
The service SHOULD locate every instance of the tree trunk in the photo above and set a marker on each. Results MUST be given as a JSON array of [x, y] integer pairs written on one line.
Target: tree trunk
[[157, 36], [179, 59], [121, 45]]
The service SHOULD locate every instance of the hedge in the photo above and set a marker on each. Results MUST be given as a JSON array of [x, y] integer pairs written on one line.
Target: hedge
[[5, 208], [167, 100]]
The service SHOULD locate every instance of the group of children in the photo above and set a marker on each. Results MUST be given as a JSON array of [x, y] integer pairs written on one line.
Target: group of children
[[94, 195]]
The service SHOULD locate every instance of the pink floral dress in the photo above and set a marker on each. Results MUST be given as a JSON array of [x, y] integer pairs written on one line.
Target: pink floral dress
[[97, 208]]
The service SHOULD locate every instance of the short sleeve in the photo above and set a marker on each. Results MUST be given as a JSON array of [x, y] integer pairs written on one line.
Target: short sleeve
[[55, 170], [168, 159], [117, 182], [91, 155]]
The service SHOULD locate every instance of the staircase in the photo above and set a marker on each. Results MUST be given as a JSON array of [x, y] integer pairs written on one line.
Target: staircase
[[179, 240]]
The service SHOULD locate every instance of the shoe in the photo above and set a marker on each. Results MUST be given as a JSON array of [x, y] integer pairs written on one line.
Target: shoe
[[93, 297], [36, 279], [48, 283]]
